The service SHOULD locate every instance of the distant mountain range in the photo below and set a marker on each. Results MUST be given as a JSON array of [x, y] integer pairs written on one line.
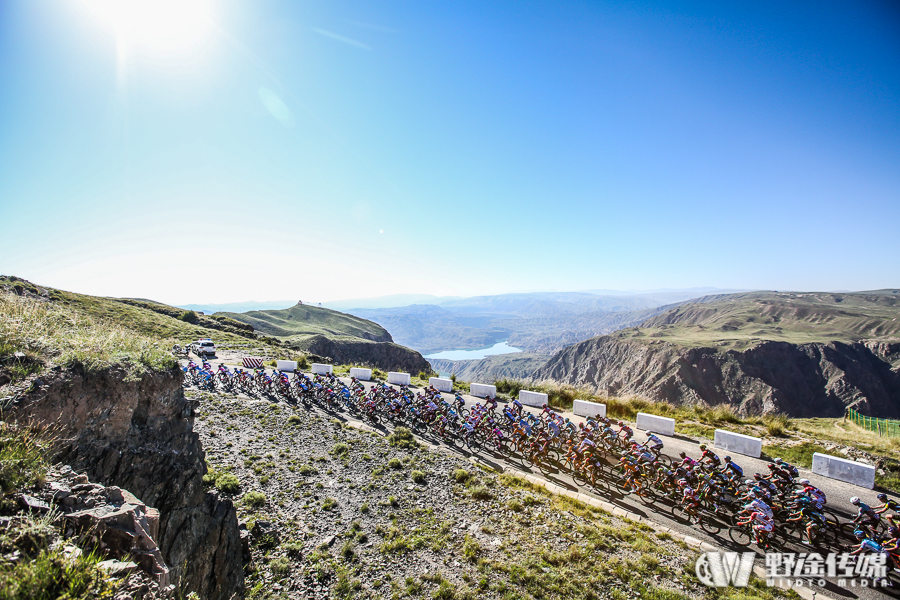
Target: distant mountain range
[[538, 322]]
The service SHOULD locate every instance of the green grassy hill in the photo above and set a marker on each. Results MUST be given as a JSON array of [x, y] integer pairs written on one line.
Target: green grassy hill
[[153, 319], [301, 322], [740, 321]]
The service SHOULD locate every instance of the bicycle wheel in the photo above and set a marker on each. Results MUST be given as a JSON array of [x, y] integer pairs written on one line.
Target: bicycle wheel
[[710, 523], [646, 495], [679, 513], [579, 477], [740, 535], [664, 460], [600, 484]]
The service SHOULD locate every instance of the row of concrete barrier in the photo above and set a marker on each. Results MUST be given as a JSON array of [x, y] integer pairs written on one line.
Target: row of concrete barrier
[[736, 443]]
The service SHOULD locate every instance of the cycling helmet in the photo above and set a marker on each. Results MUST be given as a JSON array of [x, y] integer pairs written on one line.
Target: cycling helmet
[[894, 531], [703, 446], [727, 459], [567, 420], [682, 482], [682, 455], [621, 423], [860, 534], [854, 500], [649, 433], [544, 405], [772, 467], [803, 481], [750, 482], [882, 497], [757, 476]]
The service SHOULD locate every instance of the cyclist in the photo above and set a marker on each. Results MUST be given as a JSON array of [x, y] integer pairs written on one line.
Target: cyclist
[[665, 480], [732, 470], [517, 406], [625, 432], [777, 473], [653, 443], [689, 498], [631, 474], [757, 503], [865, 516], [765, 484], [498, 437], [687, 461], [816, 496], [888, 504], [810, 516], [762, 528], [709, 456], [867, 544], [785, 466], [553, 428], [891, 545]]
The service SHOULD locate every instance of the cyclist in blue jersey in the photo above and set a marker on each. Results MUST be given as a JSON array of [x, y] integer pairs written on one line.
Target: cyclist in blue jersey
[[732, 470], [865, 516]]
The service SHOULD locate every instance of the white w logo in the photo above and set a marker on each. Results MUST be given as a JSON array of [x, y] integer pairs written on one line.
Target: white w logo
[[719, 569]]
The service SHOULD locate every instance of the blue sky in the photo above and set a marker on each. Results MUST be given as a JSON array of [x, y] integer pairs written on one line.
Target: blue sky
[[329, 150]]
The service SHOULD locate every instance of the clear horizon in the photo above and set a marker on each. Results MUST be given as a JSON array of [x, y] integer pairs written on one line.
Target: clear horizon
[[208, 151]]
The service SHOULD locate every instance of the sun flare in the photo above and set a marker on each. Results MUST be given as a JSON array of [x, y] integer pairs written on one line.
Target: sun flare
[[165, 26]]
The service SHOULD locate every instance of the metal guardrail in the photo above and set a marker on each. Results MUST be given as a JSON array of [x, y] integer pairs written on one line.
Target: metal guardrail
[[883, 427]]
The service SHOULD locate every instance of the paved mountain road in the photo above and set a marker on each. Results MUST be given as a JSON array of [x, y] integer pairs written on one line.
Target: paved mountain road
[[838, 493]]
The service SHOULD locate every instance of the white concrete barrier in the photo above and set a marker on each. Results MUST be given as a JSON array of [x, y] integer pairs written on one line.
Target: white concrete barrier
[[398, 378], [738, 442], [583, 408], [320, 368], [361, 374], [656, 424], [532, 398], [483, 390], [287, 365], [842, 469], [440, 384]]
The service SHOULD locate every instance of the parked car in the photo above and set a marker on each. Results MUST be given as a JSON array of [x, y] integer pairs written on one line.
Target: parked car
[[204, 347]]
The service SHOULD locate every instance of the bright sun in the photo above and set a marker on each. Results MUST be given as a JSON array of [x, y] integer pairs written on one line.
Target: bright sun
[[166, 26]]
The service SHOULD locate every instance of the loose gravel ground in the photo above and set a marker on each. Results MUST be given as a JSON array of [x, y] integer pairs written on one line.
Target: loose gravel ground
[[338, 512]]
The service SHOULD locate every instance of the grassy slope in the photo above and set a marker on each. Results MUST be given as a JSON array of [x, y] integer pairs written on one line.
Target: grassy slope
[[739, 321], [54, 326], [303, 321]]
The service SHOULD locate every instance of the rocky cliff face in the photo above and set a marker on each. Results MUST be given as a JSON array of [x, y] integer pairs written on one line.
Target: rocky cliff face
[[138, 434], [383, 355], [801, 380]]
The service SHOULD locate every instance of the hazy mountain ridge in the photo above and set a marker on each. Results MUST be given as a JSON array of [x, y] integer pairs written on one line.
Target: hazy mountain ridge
[[540, 322], [487, 370]]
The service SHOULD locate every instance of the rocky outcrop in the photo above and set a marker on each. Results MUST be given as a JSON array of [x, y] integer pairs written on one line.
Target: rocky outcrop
[[801, 380], [383, 355], [137, 433]]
